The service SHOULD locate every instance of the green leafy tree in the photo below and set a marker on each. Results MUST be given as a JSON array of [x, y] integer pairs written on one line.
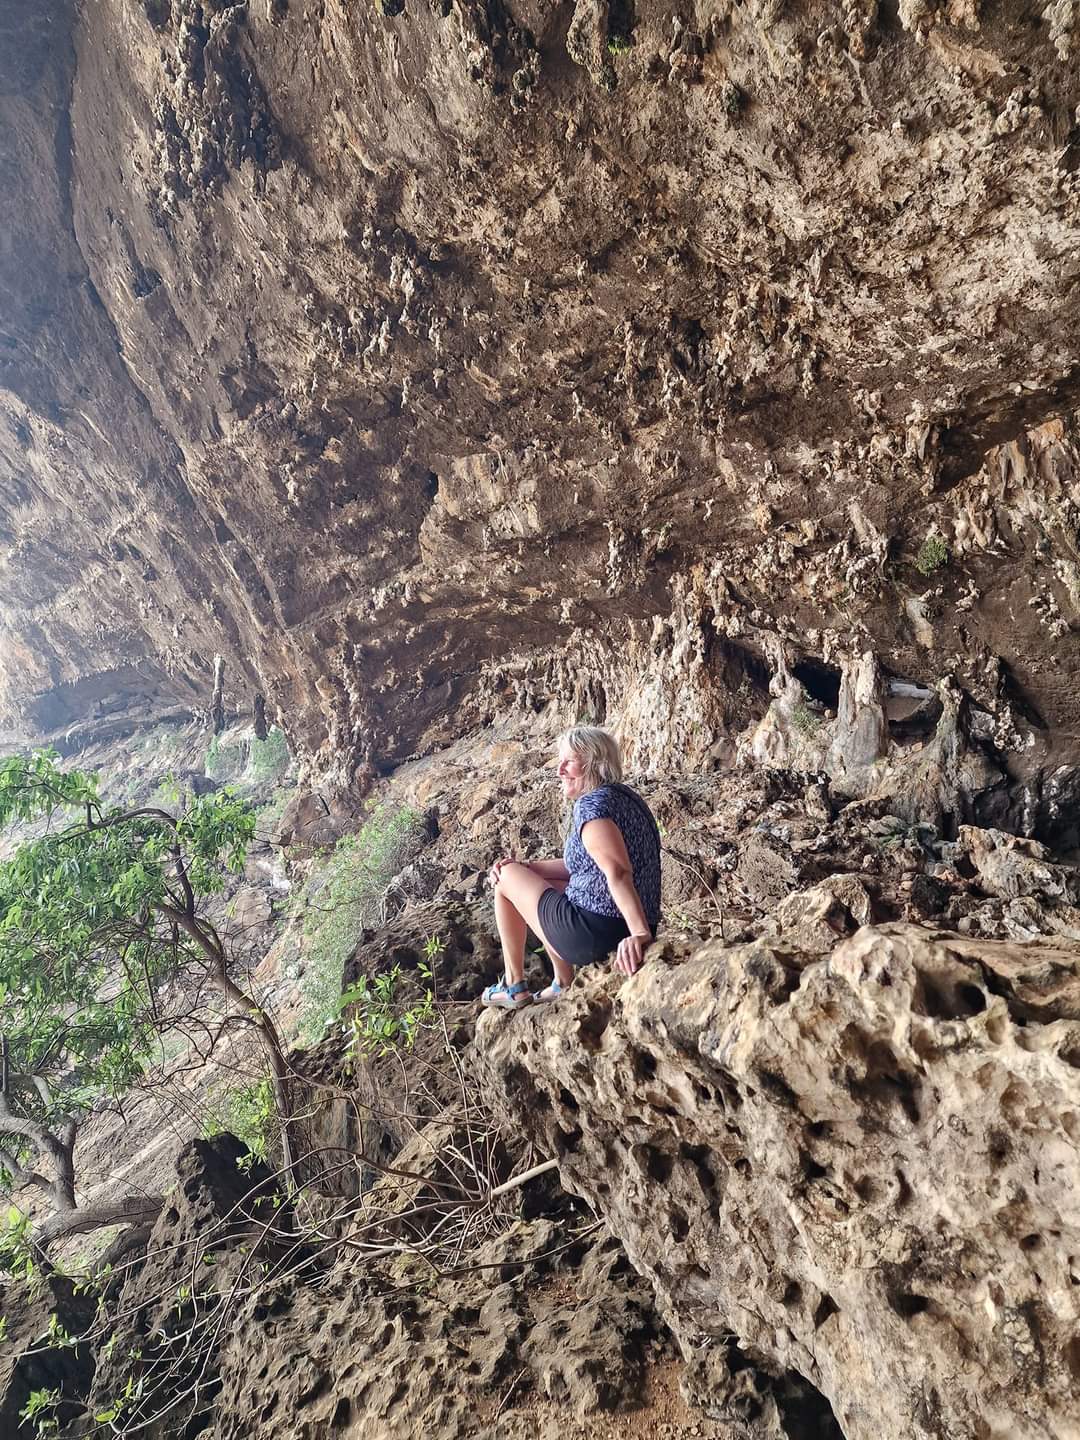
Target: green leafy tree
[[102, 915]]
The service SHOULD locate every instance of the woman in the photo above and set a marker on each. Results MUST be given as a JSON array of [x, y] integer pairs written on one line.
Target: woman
[[603, 895]]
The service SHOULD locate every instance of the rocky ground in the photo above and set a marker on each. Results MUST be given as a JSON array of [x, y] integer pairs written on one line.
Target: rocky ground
[[816, 1164]]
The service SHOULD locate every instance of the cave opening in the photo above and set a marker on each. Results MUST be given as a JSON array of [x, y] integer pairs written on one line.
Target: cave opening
[[820, 681]]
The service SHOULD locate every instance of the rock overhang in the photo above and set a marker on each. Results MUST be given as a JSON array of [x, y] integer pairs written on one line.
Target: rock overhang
[[389, 392]]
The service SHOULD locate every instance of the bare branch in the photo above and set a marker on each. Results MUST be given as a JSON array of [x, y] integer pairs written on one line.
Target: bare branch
[[127, 1210], [19, 1177]]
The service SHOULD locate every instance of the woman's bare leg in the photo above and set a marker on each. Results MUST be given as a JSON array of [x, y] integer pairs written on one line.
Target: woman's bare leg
[[517, 900], [564, 973], [512, 932]]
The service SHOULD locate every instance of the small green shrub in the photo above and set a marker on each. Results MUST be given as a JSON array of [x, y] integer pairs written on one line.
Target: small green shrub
[[16, 1252], [343, 896], [248, 763], [167, 794], [933, 554], [268, 759], [805, 720], [376, 1025], [215, 761], [618, 44], [248, 1112], [732, 99], [40, 1411]]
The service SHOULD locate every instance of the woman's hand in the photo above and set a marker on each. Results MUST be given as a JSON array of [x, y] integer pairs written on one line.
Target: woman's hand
[[629, 955], [493, 873]]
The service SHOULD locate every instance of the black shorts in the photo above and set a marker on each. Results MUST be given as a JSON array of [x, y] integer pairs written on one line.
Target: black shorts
[[579, 936]]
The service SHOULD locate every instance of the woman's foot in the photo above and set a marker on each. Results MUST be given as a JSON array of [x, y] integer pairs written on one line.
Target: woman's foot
[[551, 992], [502, 996]]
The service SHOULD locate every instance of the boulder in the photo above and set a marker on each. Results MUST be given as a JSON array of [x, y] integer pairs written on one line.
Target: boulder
[[854, 1177]]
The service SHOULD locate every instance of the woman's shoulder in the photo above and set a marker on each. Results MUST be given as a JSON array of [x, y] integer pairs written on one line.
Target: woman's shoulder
[[633, 806], [595, 803], [586, 801], [629, 796], [612, 799]]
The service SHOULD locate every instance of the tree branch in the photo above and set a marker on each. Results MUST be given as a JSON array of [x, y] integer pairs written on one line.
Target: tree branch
[[208, 940], [127, 1210], [63, 1187], [18, 1176]]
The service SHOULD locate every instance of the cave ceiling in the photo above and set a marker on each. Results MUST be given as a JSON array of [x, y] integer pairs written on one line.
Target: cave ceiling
[[423, 362]]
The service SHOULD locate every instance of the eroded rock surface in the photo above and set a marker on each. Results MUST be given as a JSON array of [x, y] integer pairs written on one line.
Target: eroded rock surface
[[239, 1323], [860, 1170], [35, 1356]]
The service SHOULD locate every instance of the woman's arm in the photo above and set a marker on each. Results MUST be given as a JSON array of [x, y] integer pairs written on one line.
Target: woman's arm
[[604, 842], [553, 870]]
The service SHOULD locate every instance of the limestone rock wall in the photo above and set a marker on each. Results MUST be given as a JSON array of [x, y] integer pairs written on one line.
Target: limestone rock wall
[[425, 360]]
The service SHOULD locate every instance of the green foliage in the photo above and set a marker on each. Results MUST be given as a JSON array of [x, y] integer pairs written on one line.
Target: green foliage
[[167, 793], [268, 759], [212, 763], [248, 764], [732, 99], [16, 1252], [249, 1113], [618, 44], [933, 554], [40, 1411], [683, 918], [130, 1392], [343, 897], [20, 1151], [57, 1334], [90, 925], [376, 1024], [805, 720]]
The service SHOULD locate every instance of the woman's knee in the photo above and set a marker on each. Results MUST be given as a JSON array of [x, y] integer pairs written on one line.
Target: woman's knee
[[509, 876]]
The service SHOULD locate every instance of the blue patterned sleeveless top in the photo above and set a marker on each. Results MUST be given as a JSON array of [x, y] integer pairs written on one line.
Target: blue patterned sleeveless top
[[588, 888]]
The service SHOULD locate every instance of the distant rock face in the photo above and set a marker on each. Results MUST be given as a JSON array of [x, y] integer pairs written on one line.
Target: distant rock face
[[424, 360], [860, 1170]]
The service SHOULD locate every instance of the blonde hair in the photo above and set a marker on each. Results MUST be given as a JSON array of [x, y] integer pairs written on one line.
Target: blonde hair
[[599, 750]]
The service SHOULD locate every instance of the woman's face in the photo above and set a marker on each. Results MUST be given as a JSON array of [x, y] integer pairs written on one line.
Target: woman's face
[[571, 773]]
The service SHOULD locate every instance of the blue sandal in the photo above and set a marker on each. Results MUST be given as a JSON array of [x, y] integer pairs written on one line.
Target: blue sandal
[[550, 992], [501, 996]]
